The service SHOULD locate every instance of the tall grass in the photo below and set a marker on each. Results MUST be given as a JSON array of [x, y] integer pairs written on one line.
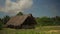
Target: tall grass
[[38, 30]]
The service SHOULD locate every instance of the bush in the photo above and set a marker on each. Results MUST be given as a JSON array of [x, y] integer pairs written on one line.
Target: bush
[[1, 25]]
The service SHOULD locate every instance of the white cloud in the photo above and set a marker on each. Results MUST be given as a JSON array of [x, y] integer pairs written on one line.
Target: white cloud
[[19, 5]]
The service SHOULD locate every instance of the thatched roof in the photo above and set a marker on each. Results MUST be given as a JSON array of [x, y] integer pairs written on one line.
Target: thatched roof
[[17, 20]]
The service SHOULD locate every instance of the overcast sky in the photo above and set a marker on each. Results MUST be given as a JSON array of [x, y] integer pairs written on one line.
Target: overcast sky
[[38, 8]]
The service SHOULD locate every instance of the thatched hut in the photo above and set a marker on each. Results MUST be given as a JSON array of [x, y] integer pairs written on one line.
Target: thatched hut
[[24, 21]]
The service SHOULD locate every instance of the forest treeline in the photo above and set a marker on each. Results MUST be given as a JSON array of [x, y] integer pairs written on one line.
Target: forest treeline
[[48, 21], [41, 21]]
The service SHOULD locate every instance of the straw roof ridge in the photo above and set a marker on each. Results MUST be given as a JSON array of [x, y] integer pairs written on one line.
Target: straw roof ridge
[[17, 20]]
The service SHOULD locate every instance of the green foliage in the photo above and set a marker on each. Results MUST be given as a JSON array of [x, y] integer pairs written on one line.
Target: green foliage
[[5, 19], [20, 13], [46, 21], [1, 24]]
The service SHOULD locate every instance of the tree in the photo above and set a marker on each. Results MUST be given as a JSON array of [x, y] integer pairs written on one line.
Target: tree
[[5, 19], [1, 23], [20, 13], [44, 21]]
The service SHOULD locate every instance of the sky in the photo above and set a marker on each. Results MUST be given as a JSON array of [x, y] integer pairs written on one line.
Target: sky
[[38, 8]]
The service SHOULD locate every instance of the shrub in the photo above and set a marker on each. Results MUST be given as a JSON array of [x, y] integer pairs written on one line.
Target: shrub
[[1, 25]]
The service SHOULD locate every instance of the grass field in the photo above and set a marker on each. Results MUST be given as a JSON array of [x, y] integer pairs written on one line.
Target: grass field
[[37, 30]]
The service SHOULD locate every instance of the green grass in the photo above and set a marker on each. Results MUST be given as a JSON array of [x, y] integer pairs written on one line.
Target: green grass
[[37, 30]]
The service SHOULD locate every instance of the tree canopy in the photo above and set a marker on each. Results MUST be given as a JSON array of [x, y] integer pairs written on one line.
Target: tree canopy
[[5, 19], [47, 21], [20, 13]]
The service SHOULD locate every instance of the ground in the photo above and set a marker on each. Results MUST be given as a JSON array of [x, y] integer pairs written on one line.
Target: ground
[[37, 30]]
